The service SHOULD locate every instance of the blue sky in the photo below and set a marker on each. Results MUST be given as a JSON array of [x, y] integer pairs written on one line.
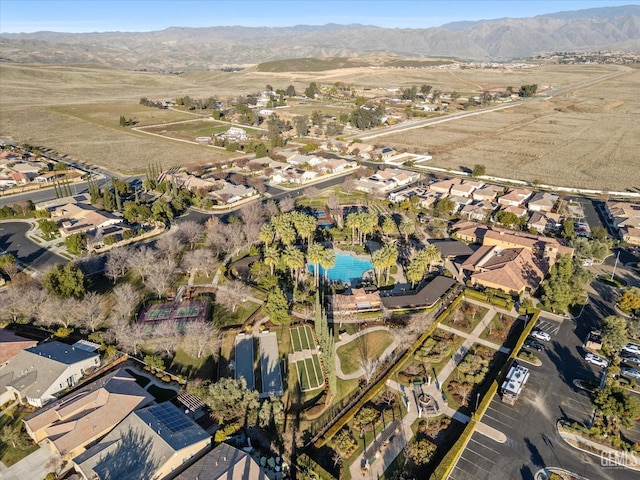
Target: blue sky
[[147, 15]]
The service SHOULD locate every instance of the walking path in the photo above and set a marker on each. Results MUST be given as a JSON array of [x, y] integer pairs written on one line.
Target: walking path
[[387, 453]]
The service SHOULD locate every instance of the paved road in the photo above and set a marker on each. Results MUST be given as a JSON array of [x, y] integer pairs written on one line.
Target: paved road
[[13, 239]]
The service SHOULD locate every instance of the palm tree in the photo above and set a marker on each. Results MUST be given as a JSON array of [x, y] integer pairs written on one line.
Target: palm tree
[[369, 223], [353, 222], [305, 226], [267, 233], [389, 227], [379, 262], [390, 257], [328, 261], [314, 255], [294, 260], [407, 227], [271, 257], [288, 234]]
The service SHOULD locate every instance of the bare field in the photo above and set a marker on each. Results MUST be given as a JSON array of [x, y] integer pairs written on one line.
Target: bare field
[[125, 152], [593, 134], [589, 138]]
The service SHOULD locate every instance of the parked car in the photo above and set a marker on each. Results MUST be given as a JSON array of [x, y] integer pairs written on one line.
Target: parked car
[[630, 372], [534, 345], [540, 335], [627, 357], [596, 360], [631, 348]]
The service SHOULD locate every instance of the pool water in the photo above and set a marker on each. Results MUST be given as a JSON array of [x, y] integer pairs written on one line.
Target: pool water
[[347, 267]]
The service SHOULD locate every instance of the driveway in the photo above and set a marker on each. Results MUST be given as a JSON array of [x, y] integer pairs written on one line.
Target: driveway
[[13, 239]]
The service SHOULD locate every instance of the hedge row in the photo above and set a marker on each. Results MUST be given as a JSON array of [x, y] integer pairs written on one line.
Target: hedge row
[[486, 400], [449, 460], [470, 292], [527, 330], [308, 462], [374, 390], [502, 300]]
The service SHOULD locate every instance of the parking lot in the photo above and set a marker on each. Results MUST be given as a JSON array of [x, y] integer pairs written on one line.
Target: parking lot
[[530, 425]]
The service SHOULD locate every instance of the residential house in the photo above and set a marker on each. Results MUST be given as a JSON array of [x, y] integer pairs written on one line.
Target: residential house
[[224, 463], [519, 212], [429, 199], [444, 186], [397, 176], [542, 202], [36, 374], [84, 416], [513, 270], [79, 218], [459, 202], [464, 188], [48, 177], [487, 193], [12, 344], [50, 205], [544, 222], [300, 160], [626, 218], [515, 197], [231, 193], [236, 134], [478, 210], [335, 165], [406, 193], [150, 443], [387, 152]]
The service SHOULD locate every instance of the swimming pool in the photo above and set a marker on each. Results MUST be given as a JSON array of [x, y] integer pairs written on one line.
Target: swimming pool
[[347, 267]]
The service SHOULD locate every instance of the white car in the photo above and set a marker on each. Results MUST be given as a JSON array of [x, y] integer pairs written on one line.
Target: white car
[[540, 335], [631, 372], [631, 348], [596, 360]]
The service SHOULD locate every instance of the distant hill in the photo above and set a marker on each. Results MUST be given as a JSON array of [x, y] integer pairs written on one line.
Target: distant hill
[[178, 49]]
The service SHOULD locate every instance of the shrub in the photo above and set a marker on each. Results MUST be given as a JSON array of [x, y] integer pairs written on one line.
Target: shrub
[[166, 379], [63, 332]]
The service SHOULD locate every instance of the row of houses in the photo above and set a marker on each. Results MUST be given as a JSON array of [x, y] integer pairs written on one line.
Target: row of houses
[[21, 169], [475, 200], [384, 181], [111, 427], [625, 217]]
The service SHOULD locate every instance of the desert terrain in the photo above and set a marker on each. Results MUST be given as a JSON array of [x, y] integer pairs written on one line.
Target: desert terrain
[[585, 138]]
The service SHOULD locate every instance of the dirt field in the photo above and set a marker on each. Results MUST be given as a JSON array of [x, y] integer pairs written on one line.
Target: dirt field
[[592, 134], [589, 138]]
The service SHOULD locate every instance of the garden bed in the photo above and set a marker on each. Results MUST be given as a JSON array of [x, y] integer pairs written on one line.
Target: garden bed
[[465, 317]]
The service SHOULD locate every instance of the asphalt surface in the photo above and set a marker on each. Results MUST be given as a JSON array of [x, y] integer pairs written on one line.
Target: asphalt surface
[[530, 425], [13, 240]]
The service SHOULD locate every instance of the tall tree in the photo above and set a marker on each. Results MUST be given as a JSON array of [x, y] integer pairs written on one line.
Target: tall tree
[[201, 338]]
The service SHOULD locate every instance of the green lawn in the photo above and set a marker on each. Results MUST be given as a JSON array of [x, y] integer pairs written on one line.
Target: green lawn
[[225, 318], [498, 329], [372, 345], [8, 454], [190, 367]]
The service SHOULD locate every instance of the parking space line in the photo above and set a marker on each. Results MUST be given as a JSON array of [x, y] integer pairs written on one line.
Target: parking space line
[[480, 455], [484, 446], [495, 419], [501, 413], [477, 466]]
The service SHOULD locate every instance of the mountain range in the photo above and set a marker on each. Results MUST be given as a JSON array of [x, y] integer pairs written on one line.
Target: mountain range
[[210, 48]]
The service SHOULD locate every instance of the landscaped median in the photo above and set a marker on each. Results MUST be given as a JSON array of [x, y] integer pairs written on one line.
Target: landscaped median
[[608, 456]]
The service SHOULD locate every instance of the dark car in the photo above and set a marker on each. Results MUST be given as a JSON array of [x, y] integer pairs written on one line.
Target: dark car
[[630, 358], [532, 344]]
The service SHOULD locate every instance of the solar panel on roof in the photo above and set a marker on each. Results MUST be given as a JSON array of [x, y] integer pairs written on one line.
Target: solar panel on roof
[[171, 418]]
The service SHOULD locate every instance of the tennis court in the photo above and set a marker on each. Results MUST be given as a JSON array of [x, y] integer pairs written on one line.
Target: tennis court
[[244, 360], [270, 366], [188, 312], [302, 338], [309, 373], [158, 314]]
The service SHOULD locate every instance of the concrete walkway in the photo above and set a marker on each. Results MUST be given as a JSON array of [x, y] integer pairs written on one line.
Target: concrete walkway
[[348, 339], [33, 465], [387, 454]]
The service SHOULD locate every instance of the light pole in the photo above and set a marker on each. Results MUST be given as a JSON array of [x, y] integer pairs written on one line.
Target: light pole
[[477, 400], [615, 265]]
